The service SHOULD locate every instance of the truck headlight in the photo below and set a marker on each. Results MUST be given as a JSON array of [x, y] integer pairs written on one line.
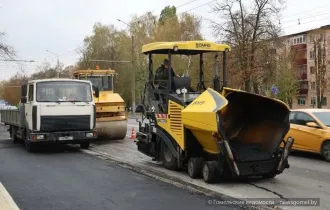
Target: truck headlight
[[89, 135]]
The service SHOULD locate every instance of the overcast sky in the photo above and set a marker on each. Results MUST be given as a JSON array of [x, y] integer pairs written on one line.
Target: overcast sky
[[33, 26]]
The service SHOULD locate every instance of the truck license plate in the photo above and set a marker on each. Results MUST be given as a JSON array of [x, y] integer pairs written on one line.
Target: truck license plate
[[64, 138]]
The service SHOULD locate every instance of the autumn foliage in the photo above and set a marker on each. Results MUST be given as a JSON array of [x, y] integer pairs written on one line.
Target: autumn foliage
[[245, 27]]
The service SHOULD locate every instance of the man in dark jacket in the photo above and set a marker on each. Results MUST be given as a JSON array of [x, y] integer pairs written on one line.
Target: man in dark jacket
[[161, 76]]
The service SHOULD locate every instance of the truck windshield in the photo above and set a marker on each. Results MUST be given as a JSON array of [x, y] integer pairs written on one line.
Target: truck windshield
[[103, 83], [57, 91]]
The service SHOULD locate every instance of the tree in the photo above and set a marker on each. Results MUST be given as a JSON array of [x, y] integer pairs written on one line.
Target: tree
[[169, 12], [5, 50], [109, 43], [286, 76], [320, 64], [12, 88], [1, 88], [245, 27]]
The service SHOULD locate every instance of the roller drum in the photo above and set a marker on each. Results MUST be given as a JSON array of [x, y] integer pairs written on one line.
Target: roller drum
[[111, 130]]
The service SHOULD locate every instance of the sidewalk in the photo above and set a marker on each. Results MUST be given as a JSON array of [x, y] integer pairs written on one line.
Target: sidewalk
[[125, 153], [137, 115], [6, 201]]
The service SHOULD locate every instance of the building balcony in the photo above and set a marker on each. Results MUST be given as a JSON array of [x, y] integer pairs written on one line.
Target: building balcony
[[301, 61], [302, 76], [303, 91], [304, 87], [299, 47]]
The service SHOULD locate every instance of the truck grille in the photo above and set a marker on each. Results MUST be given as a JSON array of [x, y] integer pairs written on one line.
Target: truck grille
[[65, 123]]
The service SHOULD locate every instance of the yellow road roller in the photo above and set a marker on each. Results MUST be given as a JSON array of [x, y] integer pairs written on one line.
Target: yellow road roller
[[214, 133], [111, 117]]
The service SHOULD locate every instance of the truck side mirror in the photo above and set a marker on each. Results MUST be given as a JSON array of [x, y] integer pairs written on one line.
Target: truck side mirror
[[23, 90], [23, 99]]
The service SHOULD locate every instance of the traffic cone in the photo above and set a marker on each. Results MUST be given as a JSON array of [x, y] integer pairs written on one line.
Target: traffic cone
[[133, 134]]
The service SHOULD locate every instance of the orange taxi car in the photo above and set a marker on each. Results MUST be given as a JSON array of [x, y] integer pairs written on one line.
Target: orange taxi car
[[310, 129]]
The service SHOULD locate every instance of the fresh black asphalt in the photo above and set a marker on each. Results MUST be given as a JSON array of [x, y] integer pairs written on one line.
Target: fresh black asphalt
[[70, 179]]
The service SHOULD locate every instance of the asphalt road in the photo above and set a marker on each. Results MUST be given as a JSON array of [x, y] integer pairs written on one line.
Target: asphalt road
[[307, 177], [65, 178]]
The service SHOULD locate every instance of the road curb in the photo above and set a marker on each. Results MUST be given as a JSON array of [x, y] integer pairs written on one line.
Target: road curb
[[172, 180], [6, 201]]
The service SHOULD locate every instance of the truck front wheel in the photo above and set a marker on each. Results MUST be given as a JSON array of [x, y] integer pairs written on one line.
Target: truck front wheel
[[30, 147], [84, 145]]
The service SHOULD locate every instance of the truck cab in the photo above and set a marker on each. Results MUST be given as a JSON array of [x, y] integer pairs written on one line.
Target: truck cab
[[54, 111]]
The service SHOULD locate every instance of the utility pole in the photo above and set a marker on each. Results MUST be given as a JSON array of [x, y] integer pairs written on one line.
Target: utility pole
[[133, 71], [58, 64], [133, 78]]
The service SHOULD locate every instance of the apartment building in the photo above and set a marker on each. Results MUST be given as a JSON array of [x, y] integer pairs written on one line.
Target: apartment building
[[303, 45]]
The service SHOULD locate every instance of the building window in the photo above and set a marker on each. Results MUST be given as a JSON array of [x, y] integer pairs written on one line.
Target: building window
[[302, 69], [313, 101], [311, 39], [289, 41], [324, 101], [301, 101], [312, 70], [311, 54], [313, 85], [299, 39]]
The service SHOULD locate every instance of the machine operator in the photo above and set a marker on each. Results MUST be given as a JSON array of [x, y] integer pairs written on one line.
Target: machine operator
[[161, 76]]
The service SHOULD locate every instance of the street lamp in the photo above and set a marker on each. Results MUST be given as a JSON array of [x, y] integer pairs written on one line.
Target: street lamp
[[58, 64], [133, 71]]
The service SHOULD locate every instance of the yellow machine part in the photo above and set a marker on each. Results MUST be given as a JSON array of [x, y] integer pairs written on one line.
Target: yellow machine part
[[172, 122], [111, 117], [200, 117], [111, 121], [111, 130]]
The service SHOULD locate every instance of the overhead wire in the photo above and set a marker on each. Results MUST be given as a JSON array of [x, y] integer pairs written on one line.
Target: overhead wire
[[198, 6], [307, 11], [304, 18], [306, 22], [184, 4]]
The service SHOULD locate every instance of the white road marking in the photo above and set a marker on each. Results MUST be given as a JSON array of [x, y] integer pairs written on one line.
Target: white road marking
[[6, 201]]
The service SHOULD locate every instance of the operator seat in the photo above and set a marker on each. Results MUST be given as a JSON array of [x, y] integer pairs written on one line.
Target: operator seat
[[180, 83]]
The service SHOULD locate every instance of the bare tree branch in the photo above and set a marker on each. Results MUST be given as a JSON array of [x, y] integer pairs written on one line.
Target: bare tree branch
[[5, 50]]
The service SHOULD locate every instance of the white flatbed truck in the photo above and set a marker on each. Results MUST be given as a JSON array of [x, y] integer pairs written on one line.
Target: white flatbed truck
[[53, 111]]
